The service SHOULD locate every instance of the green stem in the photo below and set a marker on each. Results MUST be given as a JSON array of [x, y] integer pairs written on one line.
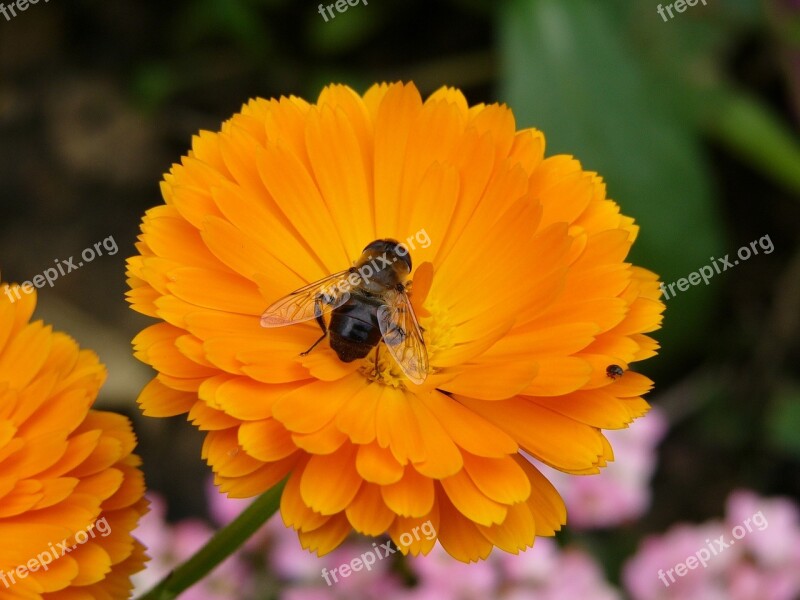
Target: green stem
[[221, 546]]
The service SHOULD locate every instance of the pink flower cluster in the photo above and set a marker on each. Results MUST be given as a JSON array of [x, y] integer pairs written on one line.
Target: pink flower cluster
[[542, 573], [746, 562]]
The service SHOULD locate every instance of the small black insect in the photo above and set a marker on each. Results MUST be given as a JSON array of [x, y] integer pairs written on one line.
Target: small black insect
[[614, 371]]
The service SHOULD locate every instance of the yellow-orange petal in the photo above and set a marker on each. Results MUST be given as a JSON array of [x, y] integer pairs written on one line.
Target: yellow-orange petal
[[411, 496], [368, 513], [330, 482], [64, 467]]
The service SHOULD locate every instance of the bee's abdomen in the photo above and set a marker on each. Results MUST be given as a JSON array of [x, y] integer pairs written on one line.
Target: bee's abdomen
[[354, 331], [348, 351], [352, 328]]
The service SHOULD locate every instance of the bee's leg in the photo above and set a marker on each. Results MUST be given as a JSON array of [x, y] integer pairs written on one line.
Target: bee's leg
[[320, 322], [377, 351], [314, 345]]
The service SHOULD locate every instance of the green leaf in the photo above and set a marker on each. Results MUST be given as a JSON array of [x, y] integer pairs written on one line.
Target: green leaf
[[571, 72], [757, 135]]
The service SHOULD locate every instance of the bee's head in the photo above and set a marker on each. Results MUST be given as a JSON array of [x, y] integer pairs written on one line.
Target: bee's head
[[392, 249]]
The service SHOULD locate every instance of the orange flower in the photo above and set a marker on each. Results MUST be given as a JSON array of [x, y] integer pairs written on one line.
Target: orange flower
[[522, 292], [71, 492]]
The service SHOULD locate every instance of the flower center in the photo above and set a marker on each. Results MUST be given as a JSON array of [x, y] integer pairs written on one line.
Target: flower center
[[438, 335]]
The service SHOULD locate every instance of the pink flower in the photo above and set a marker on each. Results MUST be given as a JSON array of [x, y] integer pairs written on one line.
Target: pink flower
[[542, 573], [753, 555], [578, 577], [548, 573], [533, 567], [442, 577], [290, 562], [307, 593], [621, 491], [651, 574], [774, 542]]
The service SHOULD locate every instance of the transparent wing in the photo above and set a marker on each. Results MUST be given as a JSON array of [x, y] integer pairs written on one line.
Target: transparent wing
[[403, 336], [328, 293]]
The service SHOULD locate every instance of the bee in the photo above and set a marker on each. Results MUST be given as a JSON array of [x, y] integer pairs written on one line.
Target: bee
[[614, 371], [368, 303]]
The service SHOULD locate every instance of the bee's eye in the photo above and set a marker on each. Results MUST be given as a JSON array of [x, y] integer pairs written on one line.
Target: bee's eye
[[389, 246], [404, 255], [400, 251], [372, 246]]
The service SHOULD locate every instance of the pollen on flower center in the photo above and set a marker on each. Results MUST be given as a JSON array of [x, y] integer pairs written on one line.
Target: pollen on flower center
[[439, 328], [386, 371], [438, 334]]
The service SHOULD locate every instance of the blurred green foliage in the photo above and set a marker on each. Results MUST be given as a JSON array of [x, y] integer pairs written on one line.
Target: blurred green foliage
[[570, 71], [783, 421], [635, 103]]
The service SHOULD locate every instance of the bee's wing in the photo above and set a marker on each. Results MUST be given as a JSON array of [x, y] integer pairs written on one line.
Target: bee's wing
[[403, 336], [299, 306]]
